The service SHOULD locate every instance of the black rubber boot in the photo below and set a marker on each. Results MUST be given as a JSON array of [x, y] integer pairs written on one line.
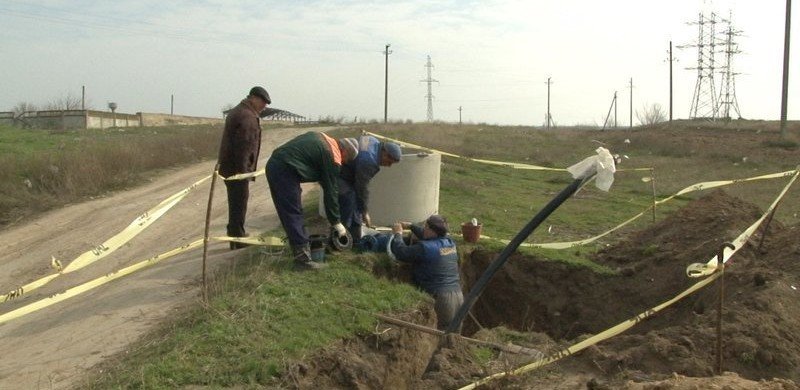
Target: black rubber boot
[[302, 259]]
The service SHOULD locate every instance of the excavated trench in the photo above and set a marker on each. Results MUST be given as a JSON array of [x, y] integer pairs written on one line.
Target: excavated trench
[[762, 334]]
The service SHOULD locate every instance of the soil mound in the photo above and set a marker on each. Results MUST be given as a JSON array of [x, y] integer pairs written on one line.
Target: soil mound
[[548, 305]]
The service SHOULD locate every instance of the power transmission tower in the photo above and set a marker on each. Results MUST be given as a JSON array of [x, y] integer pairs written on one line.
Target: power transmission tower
[[548, 118], [430, 82], [727, 95], [704, 104]]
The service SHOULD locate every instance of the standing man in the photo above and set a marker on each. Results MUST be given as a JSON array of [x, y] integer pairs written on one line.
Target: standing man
[[355, 177], [435, 264], [310, 157], [238, 153]]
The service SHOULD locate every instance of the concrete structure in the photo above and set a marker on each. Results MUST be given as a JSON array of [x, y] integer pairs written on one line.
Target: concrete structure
[[91, 119], [407, 191]]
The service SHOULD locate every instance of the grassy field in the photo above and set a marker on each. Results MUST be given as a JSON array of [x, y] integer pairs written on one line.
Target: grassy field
[[44, 169], [263, 317]]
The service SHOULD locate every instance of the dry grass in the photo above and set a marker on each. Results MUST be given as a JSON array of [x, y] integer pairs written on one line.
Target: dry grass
[[43, 170]]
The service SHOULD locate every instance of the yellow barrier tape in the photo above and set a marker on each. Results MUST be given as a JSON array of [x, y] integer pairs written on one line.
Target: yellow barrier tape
[[137, 226], [256, 240], [491, 162], [624, 326], [241, 176], [697, 270], [82, 288], [604, 335], [695, 187]]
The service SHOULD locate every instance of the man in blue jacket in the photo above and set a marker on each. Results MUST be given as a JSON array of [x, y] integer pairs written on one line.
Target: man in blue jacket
[[354, 180], [435, 264]]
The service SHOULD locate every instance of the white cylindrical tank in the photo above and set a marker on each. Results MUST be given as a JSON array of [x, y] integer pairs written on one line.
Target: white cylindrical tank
[[406, 191]]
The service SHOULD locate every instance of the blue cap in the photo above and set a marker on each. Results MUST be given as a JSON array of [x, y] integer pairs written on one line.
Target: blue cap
[[393, 150]]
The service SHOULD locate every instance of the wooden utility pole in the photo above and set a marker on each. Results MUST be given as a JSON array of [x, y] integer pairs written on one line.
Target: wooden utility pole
[[615, 109], [785, 92], [670, 81], [386, 85], [83, 97], [172, 104], [459, 115], [548, 103], [630, 126]]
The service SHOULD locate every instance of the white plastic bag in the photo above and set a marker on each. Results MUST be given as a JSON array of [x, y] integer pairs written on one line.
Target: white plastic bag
[[603, 164]]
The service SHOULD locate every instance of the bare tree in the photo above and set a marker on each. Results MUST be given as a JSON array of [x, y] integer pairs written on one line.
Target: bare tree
[[65, 102], [650, 115], [22, 107]]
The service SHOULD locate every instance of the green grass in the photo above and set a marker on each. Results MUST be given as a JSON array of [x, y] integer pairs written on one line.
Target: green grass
[[260, 317]]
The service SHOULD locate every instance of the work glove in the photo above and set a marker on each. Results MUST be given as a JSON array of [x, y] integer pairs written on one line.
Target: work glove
[[339, 229], [367, 220]]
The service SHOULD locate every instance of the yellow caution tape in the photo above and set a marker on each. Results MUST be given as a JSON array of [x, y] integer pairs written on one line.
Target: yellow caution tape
[[624, 326], [604, 335], [240, 176], [484, 161], [82, 288], [255, 240], [695, 187], [697, 270], [100, 251]]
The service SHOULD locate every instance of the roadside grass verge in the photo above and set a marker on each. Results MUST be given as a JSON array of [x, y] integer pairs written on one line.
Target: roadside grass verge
[[261, 315], [45, 169]]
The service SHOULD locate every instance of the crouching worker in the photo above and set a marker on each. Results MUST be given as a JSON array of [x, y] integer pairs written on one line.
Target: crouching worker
[[434, 259], [310, 157], [355, 177]]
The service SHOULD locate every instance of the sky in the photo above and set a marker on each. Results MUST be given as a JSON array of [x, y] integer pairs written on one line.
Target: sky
[[325, 58]]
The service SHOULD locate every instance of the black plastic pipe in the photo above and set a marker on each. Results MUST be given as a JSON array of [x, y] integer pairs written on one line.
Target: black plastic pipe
[[512, 246]]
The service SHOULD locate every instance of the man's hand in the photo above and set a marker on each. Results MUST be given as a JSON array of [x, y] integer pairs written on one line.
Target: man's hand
[[367, 220], [406, 225], [339, 229], [397, 228]]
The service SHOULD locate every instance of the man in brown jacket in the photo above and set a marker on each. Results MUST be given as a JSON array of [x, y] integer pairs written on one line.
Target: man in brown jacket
[[238, 153]]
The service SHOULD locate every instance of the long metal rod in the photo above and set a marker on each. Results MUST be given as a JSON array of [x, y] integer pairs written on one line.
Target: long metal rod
[[205, 234], [512, 246], [721, 270]]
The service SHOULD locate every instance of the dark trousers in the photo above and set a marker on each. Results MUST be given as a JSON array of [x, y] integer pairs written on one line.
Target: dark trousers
[[351, 217], [238, 194], [284, 186]]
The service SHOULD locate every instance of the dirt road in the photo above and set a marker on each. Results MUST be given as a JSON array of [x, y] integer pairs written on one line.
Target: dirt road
[[54, 347]]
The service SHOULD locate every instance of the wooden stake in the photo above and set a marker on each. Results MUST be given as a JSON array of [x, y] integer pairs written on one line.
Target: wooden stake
[[205, 235]]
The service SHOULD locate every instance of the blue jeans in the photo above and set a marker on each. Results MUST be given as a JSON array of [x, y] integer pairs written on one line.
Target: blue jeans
[[351, 217]]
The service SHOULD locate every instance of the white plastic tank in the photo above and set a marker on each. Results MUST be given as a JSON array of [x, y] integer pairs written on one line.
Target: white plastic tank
[[406, 191]]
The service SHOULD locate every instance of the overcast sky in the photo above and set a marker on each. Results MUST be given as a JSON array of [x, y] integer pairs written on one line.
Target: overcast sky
[[319, 58]]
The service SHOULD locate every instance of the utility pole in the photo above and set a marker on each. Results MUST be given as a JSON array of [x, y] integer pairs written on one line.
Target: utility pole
[[172, 104], [430, 82], [386, 52], [459, 115], [614, 106], [785, 91], [630, 126], [83, 97], [548, 118], [670, 81]]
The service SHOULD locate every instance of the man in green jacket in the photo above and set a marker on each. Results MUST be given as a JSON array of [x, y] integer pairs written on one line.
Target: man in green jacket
[[310, 157]]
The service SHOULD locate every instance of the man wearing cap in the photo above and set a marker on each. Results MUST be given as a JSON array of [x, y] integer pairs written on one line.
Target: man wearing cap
[[309, 157], [435, 264], [355, 177], [238, 153]]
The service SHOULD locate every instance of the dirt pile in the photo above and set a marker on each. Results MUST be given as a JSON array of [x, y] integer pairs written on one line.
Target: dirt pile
[[550, 305]]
